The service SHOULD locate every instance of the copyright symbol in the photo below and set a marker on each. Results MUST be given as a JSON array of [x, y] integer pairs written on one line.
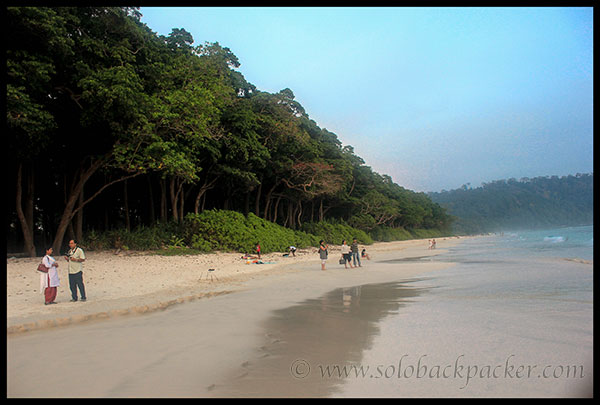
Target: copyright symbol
[[300, 368]]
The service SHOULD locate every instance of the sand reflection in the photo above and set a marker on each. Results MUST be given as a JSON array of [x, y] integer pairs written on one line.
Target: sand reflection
[[301, 341]]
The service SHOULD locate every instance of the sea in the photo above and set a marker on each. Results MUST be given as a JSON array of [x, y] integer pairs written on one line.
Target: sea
[[511, 317]]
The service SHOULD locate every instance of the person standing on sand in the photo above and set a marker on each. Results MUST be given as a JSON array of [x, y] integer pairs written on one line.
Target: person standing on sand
[[76, 257], [346, 255], [258, 249], [323, 254], [355, 255], [49, 281]]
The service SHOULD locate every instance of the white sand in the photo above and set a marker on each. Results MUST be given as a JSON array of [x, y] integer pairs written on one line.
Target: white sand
[[199, 348], [132, 283]]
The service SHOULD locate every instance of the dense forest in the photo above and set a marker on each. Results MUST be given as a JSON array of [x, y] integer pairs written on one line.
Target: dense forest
[[111, 126], [537, 203]]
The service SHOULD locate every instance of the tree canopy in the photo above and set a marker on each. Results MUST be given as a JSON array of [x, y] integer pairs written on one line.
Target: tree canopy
[[111, 125], [539, 202]]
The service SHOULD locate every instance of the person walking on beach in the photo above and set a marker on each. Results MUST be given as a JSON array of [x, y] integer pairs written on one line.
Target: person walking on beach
[[323, 253], [49, 281], [76, 257], [346, 255], [355, 254]]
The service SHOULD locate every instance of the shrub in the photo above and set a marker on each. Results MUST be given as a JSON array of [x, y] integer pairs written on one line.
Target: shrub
[[142, 238], [232, 231], [388, 234], [334, 232]]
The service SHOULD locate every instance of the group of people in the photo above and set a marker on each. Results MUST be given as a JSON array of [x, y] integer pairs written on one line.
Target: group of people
[[350, 254], [49, 281], [431, 244]]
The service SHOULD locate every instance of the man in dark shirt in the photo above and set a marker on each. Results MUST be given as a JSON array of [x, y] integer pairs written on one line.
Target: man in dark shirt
[[355, 255]]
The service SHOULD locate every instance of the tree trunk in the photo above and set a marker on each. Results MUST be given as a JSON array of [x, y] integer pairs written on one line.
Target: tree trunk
[[126, 207], [268, 201], [73, 196], [79, 218], [247, 203], [257, 202], [151, 200], [321, 211], [203, 202], [184, 197], [25, 218], [276, 209], [299, 214], [163, 200], [175, 190], [202, 194], [83, 175]]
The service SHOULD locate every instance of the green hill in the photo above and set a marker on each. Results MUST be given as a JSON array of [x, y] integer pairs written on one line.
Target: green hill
[[540, 202]]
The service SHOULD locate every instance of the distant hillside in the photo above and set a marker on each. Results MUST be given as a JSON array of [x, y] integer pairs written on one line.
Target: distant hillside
[[541, 202]]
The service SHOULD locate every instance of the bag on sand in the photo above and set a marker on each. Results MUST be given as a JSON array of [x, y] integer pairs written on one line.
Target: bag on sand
[[42, 268]]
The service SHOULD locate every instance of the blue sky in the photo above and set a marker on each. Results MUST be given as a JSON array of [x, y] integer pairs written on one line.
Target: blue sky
[[434, 97]]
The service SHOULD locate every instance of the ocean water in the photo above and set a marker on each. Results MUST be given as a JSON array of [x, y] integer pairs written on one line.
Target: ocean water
[[512, 317]]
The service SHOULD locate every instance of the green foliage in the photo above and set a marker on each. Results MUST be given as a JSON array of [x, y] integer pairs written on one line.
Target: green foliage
[[98, 97], [333, 232], [142, 238], [232, 231], [540, 202], [388, 234]]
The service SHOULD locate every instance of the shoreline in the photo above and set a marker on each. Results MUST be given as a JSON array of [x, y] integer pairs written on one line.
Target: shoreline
[[121, 285]]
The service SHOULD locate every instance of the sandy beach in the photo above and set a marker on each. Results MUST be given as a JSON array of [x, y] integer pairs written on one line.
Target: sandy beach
[[287, 329], [180, 335], [134, 282]]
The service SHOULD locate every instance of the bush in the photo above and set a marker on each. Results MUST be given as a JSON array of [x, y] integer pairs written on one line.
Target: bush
[[142, 238], [387, 234], [334, 232], [232, 231]]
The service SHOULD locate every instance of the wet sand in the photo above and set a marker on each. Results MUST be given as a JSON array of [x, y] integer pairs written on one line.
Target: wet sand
[[247, 343]]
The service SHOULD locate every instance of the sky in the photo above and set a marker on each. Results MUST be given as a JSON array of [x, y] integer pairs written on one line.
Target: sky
[[433, 97]]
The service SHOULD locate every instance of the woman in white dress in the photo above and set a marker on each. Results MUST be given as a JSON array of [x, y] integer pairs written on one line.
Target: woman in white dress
[[49, 281]]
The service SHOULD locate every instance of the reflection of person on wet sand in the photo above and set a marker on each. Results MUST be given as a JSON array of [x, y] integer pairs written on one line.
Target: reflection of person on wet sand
[[350, 296]]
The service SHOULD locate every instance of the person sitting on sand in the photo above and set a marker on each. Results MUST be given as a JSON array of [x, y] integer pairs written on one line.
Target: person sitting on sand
[[365, 255]]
